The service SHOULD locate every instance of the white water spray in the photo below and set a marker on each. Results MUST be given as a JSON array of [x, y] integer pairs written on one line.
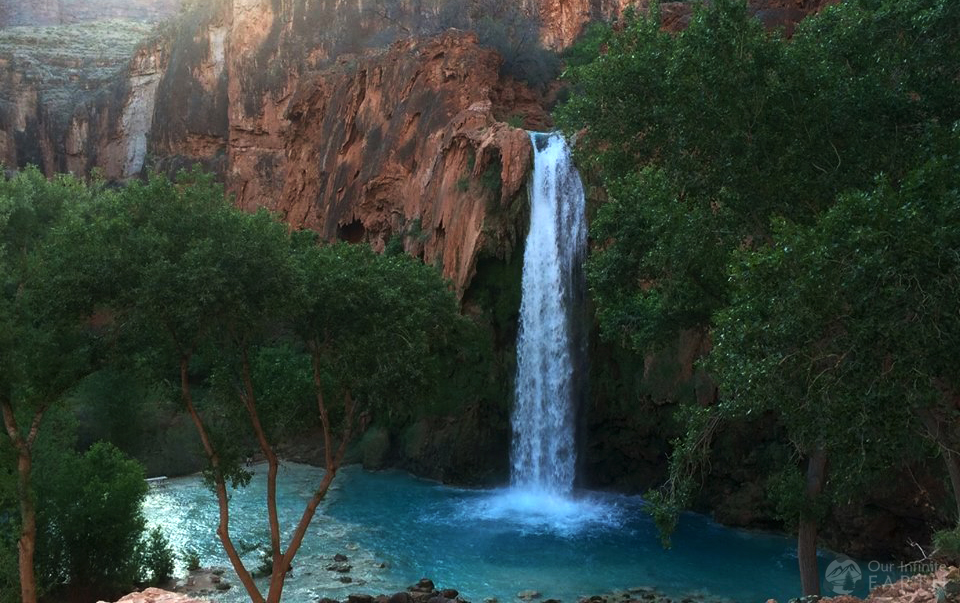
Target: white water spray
[[550, 342]]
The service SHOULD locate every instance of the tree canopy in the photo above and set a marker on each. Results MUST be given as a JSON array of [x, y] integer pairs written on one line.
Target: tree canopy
[[790, 198], [165, 281]]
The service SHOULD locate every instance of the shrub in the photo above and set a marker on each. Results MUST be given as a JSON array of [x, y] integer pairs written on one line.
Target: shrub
[[92, 518], [190, 558], [947, 545], [9, 579], [158, 559], [394, 245], [266, 563]]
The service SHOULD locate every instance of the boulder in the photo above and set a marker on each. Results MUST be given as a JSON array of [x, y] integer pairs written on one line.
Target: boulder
[[423, 585], [156, 595]]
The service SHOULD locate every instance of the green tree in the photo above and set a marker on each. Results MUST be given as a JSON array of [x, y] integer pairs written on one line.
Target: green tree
[[844, 328], [158, 557], [93, 520], [724, 140], [191, 272], [371, 326], [701, 137], [219, 295], [45, 346]]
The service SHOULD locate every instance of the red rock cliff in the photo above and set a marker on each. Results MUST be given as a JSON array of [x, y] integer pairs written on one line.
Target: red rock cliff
[[405, 142], [408, 142]]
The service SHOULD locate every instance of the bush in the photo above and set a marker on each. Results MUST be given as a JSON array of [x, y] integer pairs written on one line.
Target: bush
[[92, 520], [191, 558], [266, 563], [9, 512], [158, 559], [947, 545]]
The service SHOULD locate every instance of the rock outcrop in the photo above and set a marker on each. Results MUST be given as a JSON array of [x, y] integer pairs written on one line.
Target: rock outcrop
[[78, 97], [156, 595], [942, 585], [408, 142]]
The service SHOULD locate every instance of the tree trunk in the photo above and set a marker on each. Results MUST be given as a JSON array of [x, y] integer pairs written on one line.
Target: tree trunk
[[279, 572], [333, 464], [809, 525], [27, 544], [223, 529]]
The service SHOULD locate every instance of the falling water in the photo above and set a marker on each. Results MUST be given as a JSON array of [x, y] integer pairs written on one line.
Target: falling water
[[551, 340]]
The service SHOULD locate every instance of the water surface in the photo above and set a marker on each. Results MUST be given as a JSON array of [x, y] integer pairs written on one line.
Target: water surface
[[396, 529]]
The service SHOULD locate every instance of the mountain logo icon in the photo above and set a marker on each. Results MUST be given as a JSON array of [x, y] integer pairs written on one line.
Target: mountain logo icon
[[843, 574]]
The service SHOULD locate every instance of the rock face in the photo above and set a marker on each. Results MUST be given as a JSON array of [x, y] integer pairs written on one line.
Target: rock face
[[77, 97], [407, 143], [156, 595], [60, 12], [383, 145]]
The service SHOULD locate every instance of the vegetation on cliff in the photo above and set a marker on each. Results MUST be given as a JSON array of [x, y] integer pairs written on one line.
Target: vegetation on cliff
[[790, 199]]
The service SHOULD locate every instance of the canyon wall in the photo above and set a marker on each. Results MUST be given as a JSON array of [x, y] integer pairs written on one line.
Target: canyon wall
[[61, 12], [408, 141]]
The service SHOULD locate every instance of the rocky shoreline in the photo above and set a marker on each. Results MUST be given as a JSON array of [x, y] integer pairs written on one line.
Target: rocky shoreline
[[941, 586], [204, 583]]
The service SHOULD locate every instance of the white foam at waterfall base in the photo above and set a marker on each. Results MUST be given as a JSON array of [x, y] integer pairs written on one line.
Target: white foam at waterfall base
[[540, 511]]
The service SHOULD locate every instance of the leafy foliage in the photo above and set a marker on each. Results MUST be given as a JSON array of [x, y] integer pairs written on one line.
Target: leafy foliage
[[701, 137], [190, 558], [375, 322], [732, 160], [93, 519], [947, 544], [158, 557]]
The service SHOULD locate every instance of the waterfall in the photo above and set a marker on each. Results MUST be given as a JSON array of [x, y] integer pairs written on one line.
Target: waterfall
[[551, 361], [551, 342]]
